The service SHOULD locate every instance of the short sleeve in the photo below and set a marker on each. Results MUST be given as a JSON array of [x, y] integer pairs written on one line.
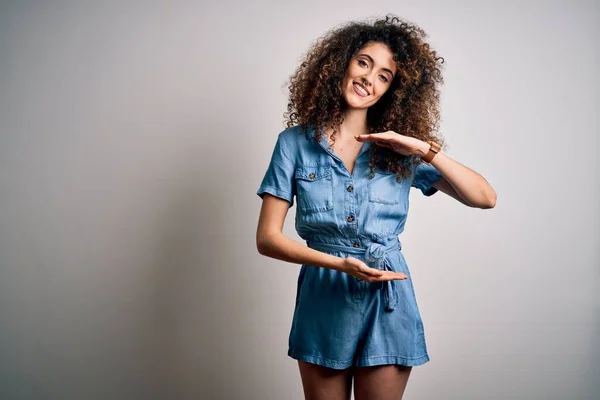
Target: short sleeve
[[424, 177], [279, 177]]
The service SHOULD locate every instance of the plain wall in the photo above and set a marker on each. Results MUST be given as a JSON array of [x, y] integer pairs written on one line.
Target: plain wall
[[134, 135]]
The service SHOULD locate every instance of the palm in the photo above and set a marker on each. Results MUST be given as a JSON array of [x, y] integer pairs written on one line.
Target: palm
[[362, 271], [399, 143]]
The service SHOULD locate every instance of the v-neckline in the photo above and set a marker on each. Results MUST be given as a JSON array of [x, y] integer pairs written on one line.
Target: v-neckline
[[324, 143]]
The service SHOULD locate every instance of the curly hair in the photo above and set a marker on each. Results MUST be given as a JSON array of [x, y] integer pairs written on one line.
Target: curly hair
[[410, 106]]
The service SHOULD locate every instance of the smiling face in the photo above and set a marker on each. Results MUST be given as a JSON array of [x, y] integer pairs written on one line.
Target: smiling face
[[369, 75]]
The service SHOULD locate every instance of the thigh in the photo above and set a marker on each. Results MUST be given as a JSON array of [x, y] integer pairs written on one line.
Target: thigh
[[382, 382], [321, 383]]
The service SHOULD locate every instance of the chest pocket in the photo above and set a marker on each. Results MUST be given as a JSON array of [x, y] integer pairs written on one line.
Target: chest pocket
[[384, 189], [314, 187]]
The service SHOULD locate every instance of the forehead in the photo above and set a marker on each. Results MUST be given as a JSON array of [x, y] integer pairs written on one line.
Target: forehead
[[381, 54]]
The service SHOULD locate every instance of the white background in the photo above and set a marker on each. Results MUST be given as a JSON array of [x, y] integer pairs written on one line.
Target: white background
[[133, 137]]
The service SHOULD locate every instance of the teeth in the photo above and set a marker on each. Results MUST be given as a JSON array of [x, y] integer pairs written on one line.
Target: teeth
[[361, 89]]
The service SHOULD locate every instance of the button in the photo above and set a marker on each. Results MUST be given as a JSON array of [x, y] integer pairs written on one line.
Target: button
[[351, 218], [350, 188], [356, 245], [312, 175]]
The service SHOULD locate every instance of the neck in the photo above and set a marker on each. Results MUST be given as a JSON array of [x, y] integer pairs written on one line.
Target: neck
[[355, 123]]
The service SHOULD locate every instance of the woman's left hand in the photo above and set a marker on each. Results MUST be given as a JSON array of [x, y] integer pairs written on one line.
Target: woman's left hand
[[399, 143]]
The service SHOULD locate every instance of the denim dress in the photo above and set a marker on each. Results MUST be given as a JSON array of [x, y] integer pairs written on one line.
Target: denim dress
[[339, 320]]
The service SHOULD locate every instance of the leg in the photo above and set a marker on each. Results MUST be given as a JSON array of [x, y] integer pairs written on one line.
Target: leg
[[321, 383], [382, 382]]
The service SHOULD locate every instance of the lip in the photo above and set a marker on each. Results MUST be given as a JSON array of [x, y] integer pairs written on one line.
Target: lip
[[363, 87]]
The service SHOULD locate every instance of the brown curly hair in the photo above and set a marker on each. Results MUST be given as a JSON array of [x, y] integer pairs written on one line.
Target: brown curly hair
[[410, 106]]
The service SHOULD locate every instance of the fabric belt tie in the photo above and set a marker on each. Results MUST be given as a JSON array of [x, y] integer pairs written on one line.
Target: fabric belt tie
[[375, 255]]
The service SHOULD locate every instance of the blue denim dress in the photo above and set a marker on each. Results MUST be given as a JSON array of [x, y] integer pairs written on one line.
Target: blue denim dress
[[339, 320]]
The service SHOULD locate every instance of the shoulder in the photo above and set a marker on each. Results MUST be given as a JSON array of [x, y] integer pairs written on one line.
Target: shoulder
[[296, 137], [295, 133]]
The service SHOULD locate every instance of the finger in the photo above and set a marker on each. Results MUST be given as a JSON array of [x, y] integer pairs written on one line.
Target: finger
[[371, 137], [400, 275], [372, 272], [389, 276], [373, 279]]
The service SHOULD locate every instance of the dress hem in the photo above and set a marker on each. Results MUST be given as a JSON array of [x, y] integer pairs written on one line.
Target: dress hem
[[361, 362]]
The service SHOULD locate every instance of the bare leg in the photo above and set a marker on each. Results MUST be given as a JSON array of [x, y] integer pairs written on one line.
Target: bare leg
[[321, 383], [382, 382]]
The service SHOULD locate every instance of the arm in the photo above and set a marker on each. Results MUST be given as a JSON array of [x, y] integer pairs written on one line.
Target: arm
[[271, 242], [458, 181], [277, 191], [461, 182]]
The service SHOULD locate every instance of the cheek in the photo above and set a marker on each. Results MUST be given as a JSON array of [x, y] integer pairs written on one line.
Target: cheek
[[354, 72], [381, 88], [348, 78]]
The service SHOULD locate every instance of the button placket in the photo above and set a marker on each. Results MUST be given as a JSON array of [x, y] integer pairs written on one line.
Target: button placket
[[351, 204]]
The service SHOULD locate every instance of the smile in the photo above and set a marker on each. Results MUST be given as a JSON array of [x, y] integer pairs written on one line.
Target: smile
[[359, 90]]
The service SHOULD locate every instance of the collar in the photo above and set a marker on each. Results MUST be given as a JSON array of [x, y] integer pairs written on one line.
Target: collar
[[324, 143]]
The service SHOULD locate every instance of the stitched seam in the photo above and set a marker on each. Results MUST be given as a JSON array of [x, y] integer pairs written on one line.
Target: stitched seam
[[408, 358], [297, 352], [275, 189], [277, 193]]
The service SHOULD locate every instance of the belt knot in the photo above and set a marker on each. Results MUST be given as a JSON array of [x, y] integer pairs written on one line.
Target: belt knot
[[375, 255]]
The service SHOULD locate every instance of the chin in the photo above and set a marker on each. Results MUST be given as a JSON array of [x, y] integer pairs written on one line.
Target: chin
[[353, 101], [359, 105]]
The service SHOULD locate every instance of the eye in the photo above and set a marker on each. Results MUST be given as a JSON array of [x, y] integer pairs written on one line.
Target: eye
[[384, 78], [363, 62]]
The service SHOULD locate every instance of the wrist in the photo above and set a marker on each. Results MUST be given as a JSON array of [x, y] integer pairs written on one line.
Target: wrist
[[337, 263], [423, 149], [434, 149]]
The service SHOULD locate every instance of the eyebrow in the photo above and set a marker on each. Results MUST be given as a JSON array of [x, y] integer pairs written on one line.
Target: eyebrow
[[373, 62]]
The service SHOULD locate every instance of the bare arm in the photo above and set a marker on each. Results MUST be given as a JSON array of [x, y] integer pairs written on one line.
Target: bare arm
[[461, 182], [444, 186], [271, 242]]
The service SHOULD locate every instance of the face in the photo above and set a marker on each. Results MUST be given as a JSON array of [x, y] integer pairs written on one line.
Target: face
[[369, 75]]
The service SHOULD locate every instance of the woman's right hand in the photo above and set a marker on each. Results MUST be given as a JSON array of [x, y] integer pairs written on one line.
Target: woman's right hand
[[357, 268]]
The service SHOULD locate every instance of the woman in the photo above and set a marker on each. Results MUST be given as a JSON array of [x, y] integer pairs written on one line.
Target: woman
[[363, 114]]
